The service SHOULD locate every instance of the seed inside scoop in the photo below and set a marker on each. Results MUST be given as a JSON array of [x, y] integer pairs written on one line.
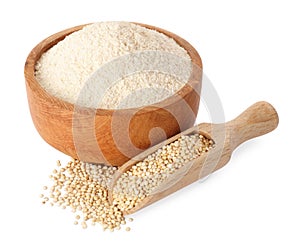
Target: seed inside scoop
[[147, 176], [83, 187]]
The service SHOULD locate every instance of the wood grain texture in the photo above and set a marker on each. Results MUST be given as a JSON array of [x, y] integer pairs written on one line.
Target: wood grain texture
[[259, 119], [97, 136]]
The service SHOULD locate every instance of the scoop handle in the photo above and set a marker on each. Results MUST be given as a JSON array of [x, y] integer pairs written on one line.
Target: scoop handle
[[259, 119]]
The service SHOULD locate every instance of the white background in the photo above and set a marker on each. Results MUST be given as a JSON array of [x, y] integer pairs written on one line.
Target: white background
[[250, 52]]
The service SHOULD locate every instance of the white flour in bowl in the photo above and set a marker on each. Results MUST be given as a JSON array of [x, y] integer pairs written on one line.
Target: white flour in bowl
[[66, 68]]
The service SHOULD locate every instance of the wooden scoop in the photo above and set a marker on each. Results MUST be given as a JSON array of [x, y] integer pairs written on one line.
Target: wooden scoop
[[259, 119]]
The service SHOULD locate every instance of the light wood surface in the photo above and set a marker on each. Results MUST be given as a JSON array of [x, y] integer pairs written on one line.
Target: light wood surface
[[91, 138], [259, 119]]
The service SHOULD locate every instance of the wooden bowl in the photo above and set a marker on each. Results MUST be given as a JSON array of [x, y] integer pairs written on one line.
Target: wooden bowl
[[103, 136]]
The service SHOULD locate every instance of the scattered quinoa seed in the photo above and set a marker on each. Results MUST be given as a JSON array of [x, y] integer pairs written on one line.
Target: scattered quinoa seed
[[84, 225], [79, 189], [83, 187]]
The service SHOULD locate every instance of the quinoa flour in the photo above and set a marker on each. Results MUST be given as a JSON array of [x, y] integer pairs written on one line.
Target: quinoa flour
[[65, 68]]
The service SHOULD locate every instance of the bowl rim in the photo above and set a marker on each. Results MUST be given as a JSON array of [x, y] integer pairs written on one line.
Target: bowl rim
[[47, 43]]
